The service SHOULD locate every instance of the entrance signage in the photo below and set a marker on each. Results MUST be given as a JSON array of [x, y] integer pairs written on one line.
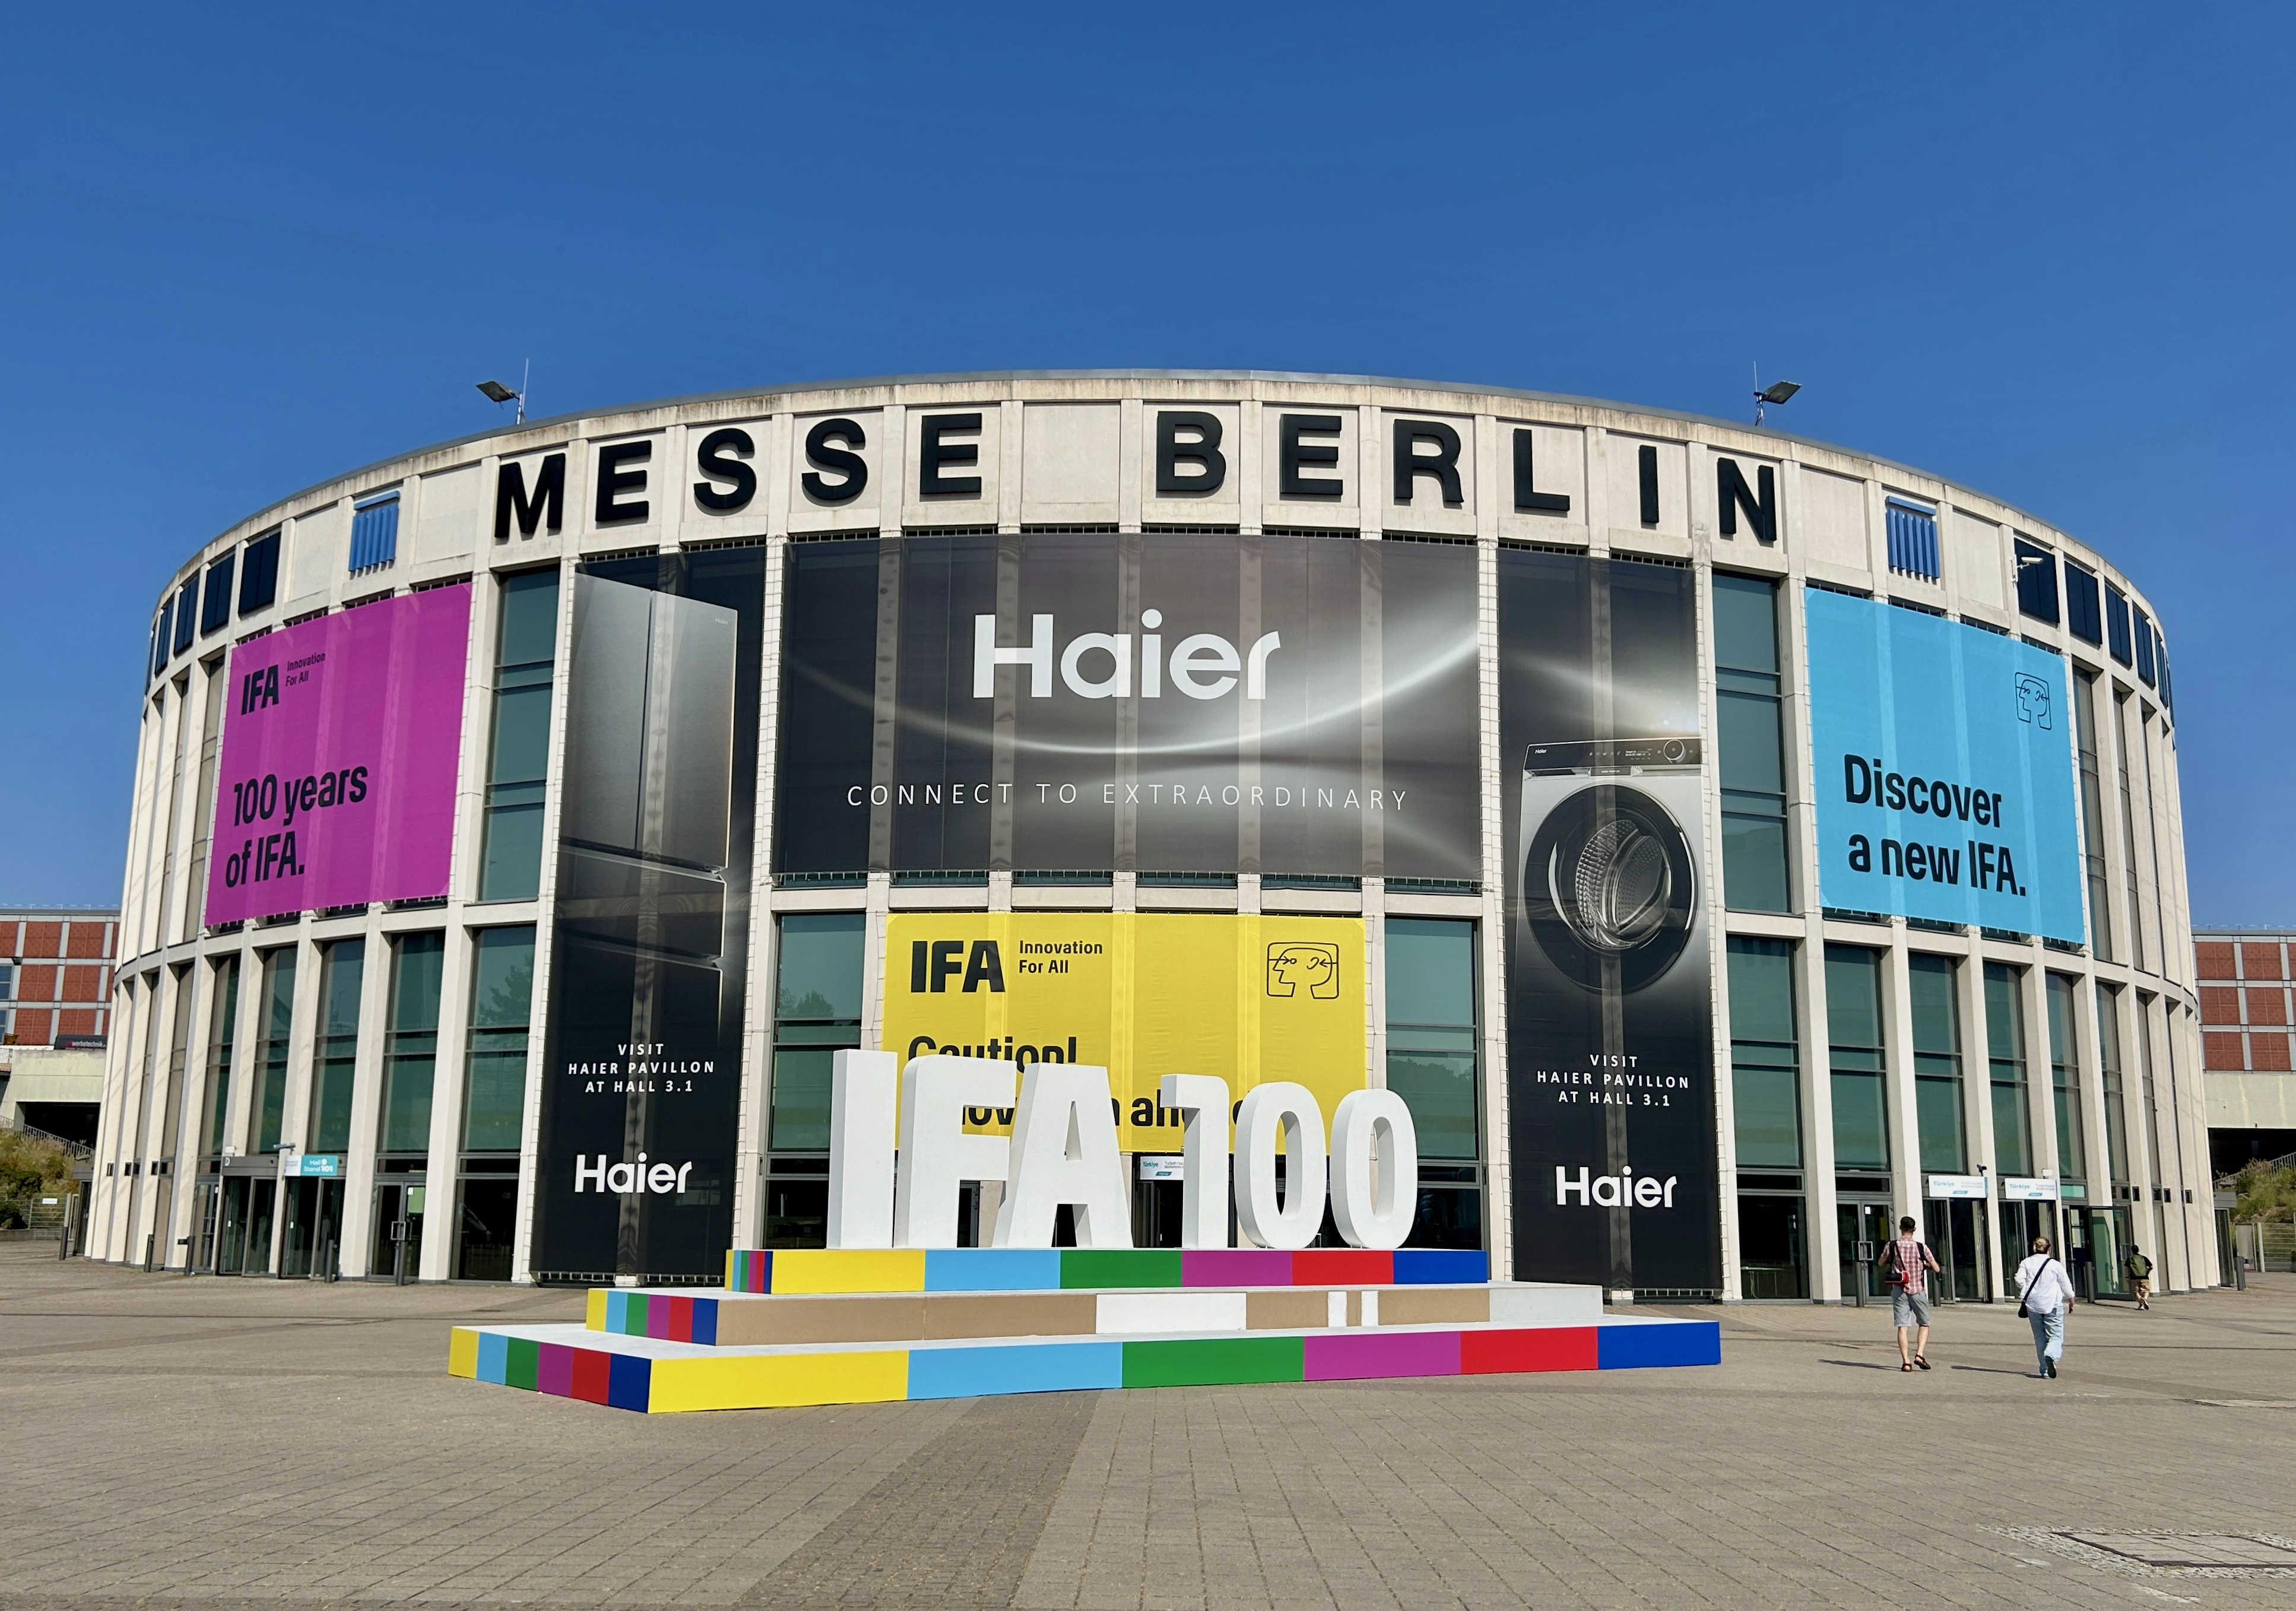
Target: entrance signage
[[1953, 1187], [903, 1144], [2018, 1190], [340, 741], [1944, 766]]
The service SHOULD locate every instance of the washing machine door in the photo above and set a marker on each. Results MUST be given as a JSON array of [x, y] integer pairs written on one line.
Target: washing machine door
[[1607, 877]]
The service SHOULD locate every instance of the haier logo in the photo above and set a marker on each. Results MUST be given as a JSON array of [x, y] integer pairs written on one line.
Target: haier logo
[[1203, 665], [629, 1179], [1620, 1190]]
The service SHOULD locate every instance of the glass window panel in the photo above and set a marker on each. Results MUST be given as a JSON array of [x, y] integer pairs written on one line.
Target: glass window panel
[[1430, 972], [1937, 1103], [1861, 1130], [1765, 1083], [1853, 996], [1936, 1015], [1752, 756], [1745, 623], [2065, 1077], [1769, 1116], [529, 618], [224, 1026], [1762, 989], [271, 1050], [821, 964], [410, 1054], [1754, 862], [1439, 1087], [502, 995], [800, 1110], [342, 975]]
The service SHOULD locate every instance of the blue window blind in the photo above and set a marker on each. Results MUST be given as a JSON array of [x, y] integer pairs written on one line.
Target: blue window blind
[[185, 625], [2036, 581], [2116, 625], [2084, 618], [162, 636], [214, 596], [258, 573], [374, 532], [1913, 539], [2144, 647]]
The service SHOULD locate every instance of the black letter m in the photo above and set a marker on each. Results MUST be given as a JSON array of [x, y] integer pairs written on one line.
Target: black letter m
[[549, 497], [1731, 493]]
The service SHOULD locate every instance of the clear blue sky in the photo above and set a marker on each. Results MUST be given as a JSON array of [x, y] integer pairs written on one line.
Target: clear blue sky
[[2043, 250]]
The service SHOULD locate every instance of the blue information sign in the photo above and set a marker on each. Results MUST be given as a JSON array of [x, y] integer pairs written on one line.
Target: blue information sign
[[1944, 767]]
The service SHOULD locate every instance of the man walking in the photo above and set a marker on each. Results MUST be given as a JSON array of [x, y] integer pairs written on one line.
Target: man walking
[[2045, 1295], [1906, 1266], [2140, 1275]]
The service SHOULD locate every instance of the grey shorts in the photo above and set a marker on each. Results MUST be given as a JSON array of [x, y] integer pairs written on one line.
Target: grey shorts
[[1909, 1308]]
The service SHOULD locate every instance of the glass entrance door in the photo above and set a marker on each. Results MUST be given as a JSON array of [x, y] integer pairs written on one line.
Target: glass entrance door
[[243, 1242], [398, 1249], [207, 1221], [1864, 1229], [2108, 1248], [314, 1218], [1957, 1235], [2021, 1222]]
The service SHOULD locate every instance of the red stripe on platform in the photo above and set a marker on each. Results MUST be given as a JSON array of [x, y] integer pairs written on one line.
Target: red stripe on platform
[[592, 1371], [1542, 1348], [1342, 1267]]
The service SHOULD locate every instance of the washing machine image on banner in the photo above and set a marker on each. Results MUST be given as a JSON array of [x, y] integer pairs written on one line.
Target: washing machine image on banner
[[1609, 962]]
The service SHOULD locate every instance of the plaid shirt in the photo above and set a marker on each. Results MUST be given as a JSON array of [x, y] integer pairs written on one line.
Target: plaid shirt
[[1912, 1265]]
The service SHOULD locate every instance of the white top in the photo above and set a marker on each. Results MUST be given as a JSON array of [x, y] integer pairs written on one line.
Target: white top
[[2043, 1284]]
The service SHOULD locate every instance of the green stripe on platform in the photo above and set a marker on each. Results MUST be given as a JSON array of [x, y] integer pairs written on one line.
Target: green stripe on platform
[[1100, 1268], [522, 1358], [1215, 1361]]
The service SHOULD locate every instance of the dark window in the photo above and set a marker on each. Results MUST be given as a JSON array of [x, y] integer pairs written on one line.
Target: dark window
[[2083, 616], [1748, 710], [258, 573], [163, 636], [2116, 625], [2004, 1045], [1431, 1032], [817, 1012], [1854, 1032], [374, 533], [334, 1051], [502, 1000], [188, 600], [510, 861], [2144, 648], [2036, 580], [215, 600], [1932, 984], [410, 1051], [1765, 1080], [2167, 688], [1913, 539]]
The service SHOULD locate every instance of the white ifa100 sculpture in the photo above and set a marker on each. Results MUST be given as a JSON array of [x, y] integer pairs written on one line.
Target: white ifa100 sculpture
[[1063, 1150]]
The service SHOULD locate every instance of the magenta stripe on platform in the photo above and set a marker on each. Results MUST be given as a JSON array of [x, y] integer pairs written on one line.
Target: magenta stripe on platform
[[553, 1370], [1372, 1354], [1236, 1267]]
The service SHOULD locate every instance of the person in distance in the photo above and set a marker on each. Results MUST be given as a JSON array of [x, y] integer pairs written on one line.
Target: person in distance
[[1906, 1266]]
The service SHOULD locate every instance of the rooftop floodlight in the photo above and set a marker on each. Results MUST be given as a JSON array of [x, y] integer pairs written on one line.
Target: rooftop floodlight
[[1776, 391], [495, 392]]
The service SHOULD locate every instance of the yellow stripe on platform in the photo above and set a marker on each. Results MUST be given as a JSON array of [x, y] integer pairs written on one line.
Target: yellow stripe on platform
[[594, 1312], [834, 1270], [779, 1381], [462, 1353]]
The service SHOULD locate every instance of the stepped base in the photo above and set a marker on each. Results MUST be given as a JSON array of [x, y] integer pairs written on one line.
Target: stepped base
[[658, 1375]]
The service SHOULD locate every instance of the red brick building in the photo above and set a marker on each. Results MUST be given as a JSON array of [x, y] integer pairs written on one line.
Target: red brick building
[[55, 973], [2247, 1012]]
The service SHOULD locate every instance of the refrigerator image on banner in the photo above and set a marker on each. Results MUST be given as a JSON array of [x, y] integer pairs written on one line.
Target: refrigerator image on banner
[[1609, 958]]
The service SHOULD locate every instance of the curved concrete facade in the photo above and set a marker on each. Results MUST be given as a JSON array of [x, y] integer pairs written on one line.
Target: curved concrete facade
[[1093, 452]]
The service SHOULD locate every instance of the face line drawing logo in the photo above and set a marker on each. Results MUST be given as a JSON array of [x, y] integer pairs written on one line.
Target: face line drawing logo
[[2034, 700], [1292, 963]]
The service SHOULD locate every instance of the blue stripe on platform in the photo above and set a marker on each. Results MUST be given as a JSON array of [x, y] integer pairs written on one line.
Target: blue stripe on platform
[[705, 1321], [993, 1270], [1441, 1267], [629, 1383], [1671, 1343], [956, 1373], [494, 1357], [618, 1309]]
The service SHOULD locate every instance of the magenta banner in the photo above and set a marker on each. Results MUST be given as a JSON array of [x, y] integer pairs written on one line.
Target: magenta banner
[[340, 745]]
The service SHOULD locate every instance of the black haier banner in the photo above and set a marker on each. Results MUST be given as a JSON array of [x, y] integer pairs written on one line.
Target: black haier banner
[[641, 1095], [1192, 702], [1610, 1049]]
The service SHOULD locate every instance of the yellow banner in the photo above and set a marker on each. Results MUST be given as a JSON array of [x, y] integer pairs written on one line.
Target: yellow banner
[[1142, 994]]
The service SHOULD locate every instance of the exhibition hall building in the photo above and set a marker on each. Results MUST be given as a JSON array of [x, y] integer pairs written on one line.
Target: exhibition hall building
[[1722, 842]]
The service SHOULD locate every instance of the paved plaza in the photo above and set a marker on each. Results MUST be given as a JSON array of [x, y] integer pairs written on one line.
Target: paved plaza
[[233, 1442]]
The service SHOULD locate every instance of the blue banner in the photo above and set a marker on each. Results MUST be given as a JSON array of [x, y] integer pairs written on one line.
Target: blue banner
[[1944, 772]]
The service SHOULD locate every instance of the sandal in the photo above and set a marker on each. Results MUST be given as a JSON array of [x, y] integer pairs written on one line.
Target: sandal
[[1905, 1367], [1923, 1363]]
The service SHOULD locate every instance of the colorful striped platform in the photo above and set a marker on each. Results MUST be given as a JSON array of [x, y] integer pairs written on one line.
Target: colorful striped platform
[[736, 1319], [824, 1270], [658, 1376]]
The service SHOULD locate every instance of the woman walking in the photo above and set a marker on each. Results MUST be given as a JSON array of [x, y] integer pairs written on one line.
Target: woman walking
[[2044, 1293]]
